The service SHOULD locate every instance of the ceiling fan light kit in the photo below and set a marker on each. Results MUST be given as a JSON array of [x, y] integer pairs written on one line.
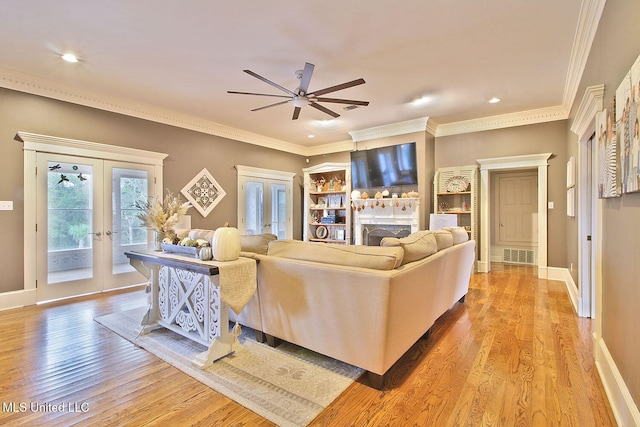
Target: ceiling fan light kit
[[301, 97]]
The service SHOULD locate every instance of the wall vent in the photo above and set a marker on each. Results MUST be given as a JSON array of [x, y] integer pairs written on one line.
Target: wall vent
[[519, 256]]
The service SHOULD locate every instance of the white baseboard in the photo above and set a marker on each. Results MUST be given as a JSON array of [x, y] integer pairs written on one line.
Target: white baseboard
[[17, 299], [563, 275], [622, 404]]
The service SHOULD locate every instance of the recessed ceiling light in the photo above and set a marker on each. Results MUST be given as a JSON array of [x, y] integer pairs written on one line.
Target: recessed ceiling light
[[420, 101], [311, 136], [70, 57], [494, 100]]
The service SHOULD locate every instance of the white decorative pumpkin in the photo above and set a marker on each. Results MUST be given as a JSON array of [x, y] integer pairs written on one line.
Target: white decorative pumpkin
[[226, 243], [355, 194]]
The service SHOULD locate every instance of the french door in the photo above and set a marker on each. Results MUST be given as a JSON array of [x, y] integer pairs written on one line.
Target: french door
[[265, 202], [86, 220]]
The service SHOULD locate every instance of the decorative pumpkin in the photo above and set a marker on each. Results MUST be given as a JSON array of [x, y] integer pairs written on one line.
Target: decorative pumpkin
[[205, 253], [226, 243]]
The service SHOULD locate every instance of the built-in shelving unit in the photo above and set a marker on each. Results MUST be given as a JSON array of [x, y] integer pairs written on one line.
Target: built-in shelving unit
[[455, 193], [327, 203]]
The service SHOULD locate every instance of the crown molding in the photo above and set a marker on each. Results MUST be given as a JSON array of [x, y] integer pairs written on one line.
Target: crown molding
[[37, 86], [588, 20], [521, 118], [591, 104], [393, 129], [590, 13]]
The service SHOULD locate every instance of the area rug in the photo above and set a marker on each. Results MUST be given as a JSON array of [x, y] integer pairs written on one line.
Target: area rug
[[288, 385]]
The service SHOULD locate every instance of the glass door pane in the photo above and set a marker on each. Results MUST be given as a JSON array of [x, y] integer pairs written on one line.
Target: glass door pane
[[254, 207], [265, 206], [126, 185], [69, 226], [279, 210]]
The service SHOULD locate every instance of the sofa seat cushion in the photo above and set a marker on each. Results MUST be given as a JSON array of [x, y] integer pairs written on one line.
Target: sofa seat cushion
[[374, 257], [256, 243], [459, 234], [444, 238], [416, 246]]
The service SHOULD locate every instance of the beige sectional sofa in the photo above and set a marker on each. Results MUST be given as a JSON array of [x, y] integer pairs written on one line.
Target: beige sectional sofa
[[359, 304]]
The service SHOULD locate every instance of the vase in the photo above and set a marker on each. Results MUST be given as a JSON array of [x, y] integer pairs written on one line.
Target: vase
[[157, 240]]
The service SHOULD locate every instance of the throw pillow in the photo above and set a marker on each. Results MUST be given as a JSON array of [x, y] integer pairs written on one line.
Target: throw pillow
[[416, 246], [444, 238]]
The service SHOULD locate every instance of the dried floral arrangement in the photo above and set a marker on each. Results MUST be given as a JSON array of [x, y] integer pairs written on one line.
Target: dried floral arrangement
[[162, 215]]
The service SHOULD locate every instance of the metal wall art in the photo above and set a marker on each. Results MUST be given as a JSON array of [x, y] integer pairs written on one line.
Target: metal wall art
[[204, 192]]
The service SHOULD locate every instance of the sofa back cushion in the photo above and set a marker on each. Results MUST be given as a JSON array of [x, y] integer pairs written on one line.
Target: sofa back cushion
[[416, 246], [459, 234], [444, 238], [198, 233], [374, 257], [256, 243]]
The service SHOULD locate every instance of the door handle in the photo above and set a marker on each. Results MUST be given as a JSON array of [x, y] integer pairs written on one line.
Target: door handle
[[98, 234], [109, 233]]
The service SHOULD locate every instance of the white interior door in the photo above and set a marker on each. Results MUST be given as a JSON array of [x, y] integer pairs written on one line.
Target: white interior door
[[85, 222], [517, 208]]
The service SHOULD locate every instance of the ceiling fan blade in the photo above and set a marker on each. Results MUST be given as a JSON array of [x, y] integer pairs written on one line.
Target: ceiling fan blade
[[258, 94], [324, 109], [270, 105], [341, 101], [296, 113], [306, 77], [267, 81], [337, 87]]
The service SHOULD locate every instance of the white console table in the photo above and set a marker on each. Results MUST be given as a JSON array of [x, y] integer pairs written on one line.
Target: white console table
[[185, 298]]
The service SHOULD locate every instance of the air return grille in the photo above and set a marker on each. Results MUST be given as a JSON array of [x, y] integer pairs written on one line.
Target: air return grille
[[519, 256]]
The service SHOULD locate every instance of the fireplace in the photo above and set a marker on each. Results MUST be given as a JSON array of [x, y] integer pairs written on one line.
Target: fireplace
[[375, 219], [372, 234]]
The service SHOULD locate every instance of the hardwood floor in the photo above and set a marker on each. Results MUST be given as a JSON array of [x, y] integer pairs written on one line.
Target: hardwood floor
[[513, 354]]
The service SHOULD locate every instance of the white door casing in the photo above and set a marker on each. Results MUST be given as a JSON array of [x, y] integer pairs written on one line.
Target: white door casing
[[539, 161], [265, 198], [35, 143]]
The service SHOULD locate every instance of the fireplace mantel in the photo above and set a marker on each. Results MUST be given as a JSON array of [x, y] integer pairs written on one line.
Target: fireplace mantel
[[386, 211]]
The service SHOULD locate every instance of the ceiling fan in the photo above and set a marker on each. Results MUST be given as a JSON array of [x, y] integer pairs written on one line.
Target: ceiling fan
[[301, 97]]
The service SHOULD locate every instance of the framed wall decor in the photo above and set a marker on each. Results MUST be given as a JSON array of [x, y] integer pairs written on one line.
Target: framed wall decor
[[204, 192]]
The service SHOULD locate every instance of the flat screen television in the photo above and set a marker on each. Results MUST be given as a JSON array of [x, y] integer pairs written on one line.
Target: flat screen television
[[391, 166]]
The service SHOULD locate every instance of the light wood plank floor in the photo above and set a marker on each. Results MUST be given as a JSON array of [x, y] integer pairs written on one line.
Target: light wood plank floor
[[514, 354]]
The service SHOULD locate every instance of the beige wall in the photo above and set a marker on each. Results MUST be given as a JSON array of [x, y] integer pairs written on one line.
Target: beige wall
[[188, 151], [615, 48], [465, 149]]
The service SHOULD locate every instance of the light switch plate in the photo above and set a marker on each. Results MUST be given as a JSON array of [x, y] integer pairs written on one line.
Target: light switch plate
[[550, 205], [6, 205]]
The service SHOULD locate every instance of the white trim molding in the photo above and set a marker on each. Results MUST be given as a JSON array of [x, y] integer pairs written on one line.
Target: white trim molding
[[539, 161], [393, 129], [622, 405], [75, 147], [563, 275], [541, 115], [588, 20], [592, 103], [39, 86], [34, 143]]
